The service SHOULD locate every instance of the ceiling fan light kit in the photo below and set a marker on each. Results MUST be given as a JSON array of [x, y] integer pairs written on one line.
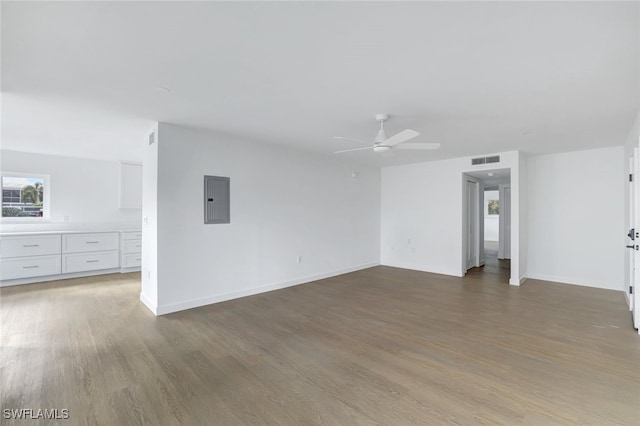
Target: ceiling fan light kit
[[384, 143]]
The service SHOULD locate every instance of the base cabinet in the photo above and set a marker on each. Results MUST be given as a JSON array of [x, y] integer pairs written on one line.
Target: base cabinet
[[131, 250], [29, 258], [30, 266], [80, 262]]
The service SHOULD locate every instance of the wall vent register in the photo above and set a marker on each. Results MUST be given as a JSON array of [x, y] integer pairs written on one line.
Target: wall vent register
[[216, 200], [485, 160]]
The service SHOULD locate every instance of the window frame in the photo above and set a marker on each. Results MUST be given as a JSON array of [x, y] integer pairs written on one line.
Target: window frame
[[46, 197]]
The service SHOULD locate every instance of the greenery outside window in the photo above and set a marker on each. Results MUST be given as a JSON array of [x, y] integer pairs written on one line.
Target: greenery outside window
[[24, 196], [493, 207]]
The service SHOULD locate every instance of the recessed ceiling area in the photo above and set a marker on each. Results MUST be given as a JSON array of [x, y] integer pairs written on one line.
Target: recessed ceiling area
[[90, 78]]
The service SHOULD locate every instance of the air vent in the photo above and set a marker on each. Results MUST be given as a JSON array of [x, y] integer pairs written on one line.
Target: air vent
[[485, 160], [152, 138]]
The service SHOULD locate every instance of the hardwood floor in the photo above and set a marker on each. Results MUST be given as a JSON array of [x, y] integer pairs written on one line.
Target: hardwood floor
[[379, 346]]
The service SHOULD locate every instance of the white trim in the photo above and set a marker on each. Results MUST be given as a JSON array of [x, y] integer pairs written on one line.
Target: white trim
[[575, 281], [628, 300], [429, 269], [150, 305], [194, 303], [519, 282]]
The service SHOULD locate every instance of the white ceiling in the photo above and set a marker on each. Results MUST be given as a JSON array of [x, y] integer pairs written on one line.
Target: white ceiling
[[78, 78]]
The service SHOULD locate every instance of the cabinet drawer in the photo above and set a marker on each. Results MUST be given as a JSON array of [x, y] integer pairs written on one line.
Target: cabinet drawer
[[81, 243], [25, 267], [133, 235], [79, 262], [33, 245], [133, 260], [132, 246]]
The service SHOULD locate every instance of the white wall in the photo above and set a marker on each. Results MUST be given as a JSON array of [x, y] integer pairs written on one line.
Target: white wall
[[284, 204], [491, 222], [422, 215], [149, 267], [576, 217], [85, 190]]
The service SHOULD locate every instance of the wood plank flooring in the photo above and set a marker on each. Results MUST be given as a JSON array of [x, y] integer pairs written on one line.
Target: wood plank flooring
[[380, 346]]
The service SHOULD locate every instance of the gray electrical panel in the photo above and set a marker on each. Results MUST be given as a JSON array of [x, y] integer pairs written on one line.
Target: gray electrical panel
[[216, 200]]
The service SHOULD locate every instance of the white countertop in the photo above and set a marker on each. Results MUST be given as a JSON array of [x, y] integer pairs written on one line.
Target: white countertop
[[54, 232], [8, 229]]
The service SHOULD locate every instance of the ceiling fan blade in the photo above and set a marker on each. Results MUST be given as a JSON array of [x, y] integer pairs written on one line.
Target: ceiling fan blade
[[418, 146], [403, 136], [352, 139], [349, 150]]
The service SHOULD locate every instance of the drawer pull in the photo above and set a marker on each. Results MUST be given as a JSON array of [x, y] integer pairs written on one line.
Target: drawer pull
[[92, 261], [30, 267], [31, 245], [92, 242]]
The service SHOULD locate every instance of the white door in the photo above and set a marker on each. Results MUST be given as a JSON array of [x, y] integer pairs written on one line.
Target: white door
[[631, 242], [504, 237], [472, 223], [636, 242]]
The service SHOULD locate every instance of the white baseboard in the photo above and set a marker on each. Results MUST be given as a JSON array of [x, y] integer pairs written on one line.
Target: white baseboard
[[575, 281], [518, 282], [149, 304], [430, 269], [627, 299], [194, 303]]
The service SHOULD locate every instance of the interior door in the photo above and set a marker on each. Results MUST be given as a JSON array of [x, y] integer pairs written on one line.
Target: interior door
[[635, 221], [504, 245], [631, 242], [472, 223]]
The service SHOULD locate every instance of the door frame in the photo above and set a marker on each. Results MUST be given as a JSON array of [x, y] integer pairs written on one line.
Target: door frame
[[479, 224], [502, 234]]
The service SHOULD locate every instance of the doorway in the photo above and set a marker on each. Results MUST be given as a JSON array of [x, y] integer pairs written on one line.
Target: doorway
[[487, 224]]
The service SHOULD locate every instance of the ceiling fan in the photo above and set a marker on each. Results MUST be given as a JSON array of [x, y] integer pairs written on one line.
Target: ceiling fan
[[383, 143]]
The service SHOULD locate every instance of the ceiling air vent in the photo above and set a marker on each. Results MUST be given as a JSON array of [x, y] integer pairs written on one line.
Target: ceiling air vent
[[485, 160]]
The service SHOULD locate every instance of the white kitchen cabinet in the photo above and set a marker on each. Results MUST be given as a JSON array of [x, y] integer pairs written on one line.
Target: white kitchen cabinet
[[29, 245], [35, 257], [80, 243], [130, 186], [131, 250], [26, 256], [91, 261], [29, 266]]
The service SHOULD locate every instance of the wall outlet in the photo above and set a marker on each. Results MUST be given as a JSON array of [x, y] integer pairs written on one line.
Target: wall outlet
[[299, 259]]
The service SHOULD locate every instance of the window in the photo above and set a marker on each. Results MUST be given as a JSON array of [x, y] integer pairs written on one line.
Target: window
[[24, 196], [493, 207]]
